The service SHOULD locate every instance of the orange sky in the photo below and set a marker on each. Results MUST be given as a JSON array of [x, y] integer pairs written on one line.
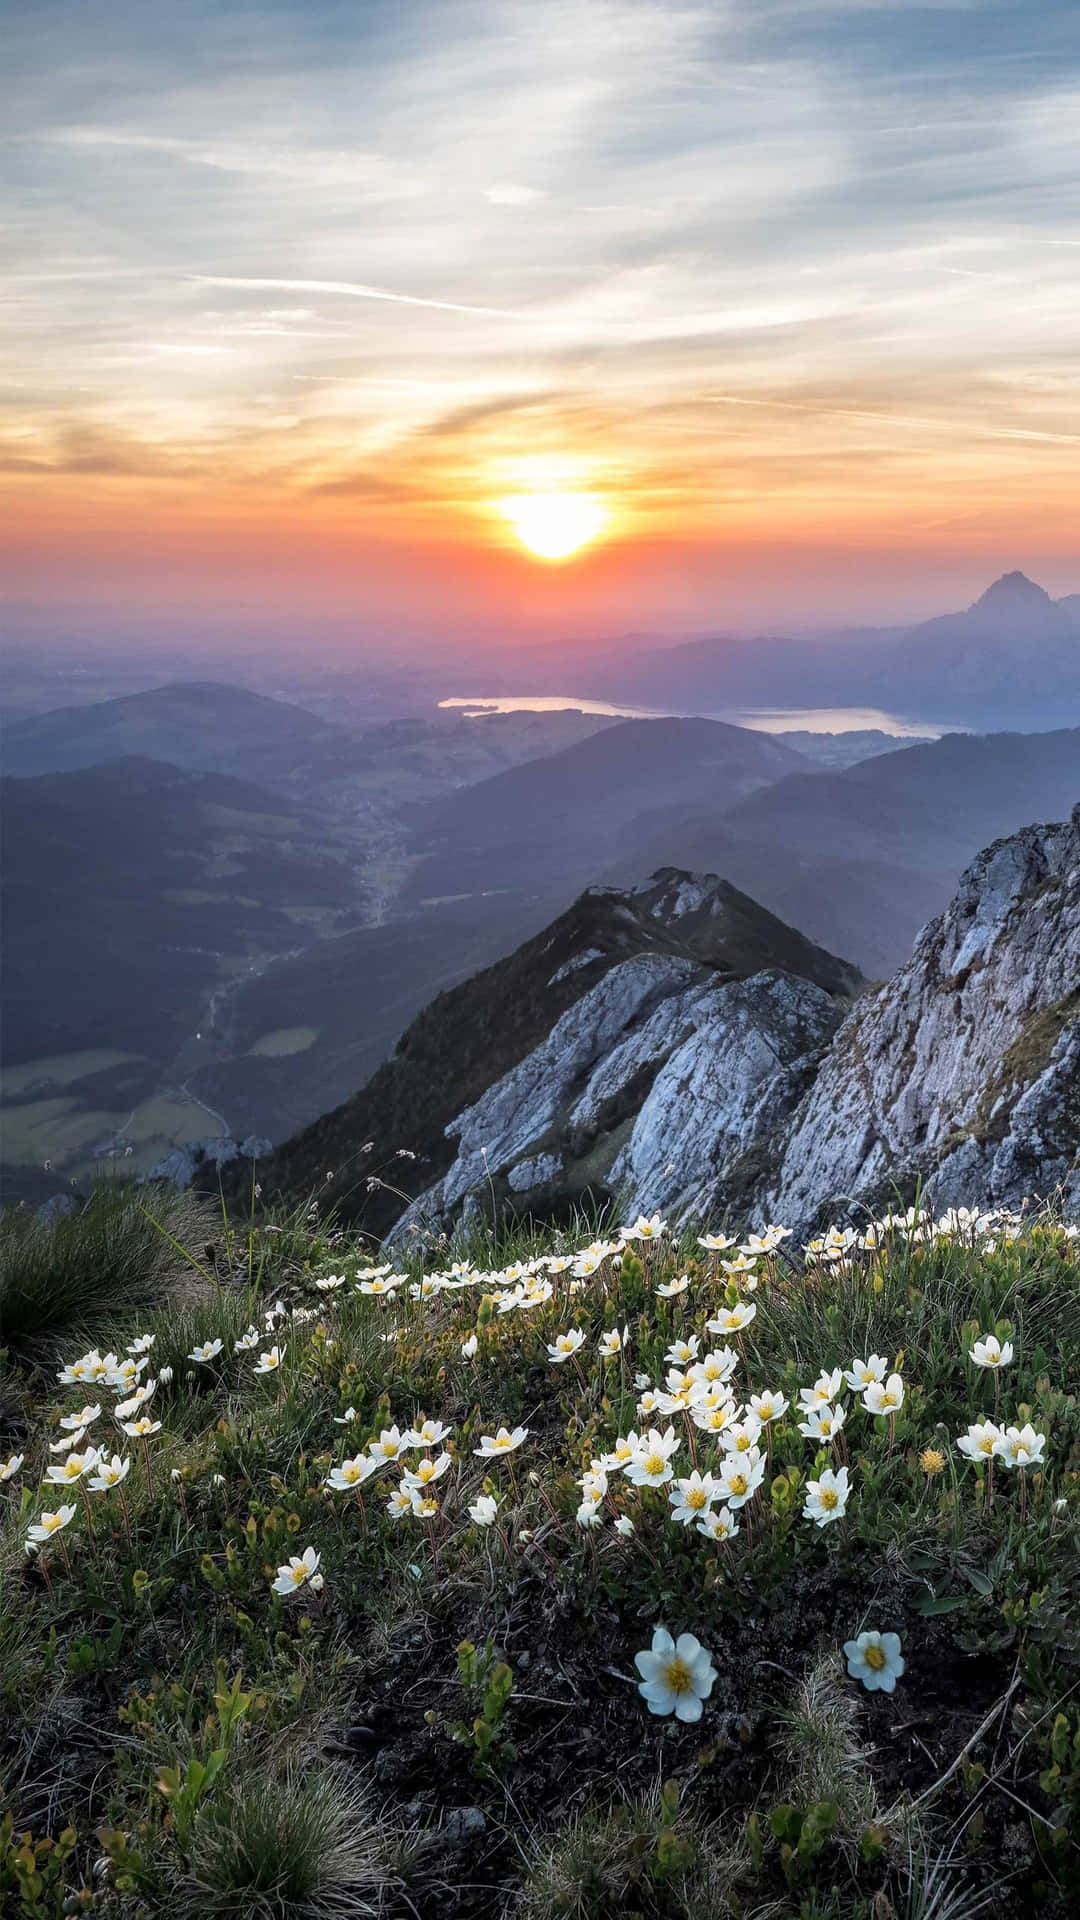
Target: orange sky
[[790, 291]]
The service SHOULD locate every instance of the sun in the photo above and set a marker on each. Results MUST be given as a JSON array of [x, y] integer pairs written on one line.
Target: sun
[[555, 525]]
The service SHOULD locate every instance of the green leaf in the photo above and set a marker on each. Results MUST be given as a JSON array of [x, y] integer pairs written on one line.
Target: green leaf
[[979, 1580], [940, 1603]]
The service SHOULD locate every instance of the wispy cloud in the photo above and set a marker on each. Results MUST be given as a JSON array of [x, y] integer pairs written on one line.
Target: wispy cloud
[[388, 253]]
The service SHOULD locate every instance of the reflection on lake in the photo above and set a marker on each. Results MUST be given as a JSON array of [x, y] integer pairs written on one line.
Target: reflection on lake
[[759, 720]]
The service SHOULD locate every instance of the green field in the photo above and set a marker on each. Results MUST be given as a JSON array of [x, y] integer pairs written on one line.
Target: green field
[[285, 1040]]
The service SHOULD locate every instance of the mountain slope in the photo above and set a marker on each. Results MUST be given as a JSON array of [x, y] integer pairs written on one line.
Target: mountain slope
[[128, 887], [862, 858], [560, 819], [201, 725], [676, 932]]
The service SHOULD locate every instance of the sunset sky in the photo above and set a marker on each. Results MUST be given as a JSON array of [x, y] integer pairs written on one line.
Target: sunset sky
[[300, 296]]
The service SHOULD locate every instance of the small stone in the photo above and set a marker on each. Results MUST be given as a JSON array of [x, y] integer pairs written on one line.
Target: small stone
[[463, 1824]]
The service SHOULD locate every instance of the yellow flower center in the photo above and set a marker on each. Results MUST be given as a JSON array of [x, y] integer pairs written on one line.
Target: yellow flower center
[[655, 1463], [986, 1445], [829, 1499], [677, 1676], [874, 1658], [696, 1498], [738, 1483], [299, 1575]]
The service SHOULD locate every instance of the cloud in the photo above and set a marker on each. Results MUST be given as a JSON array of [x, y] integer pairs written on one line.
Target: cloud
[[511, 196]]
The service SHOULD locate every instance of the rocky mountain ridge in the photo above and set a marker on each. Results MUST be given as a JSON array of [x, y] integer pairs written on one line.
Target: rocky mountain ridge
[[595, 1003], [666, 1090]]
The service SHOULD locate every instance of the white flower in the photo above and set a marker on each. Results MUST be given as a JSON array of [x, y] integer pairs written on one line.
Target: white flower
[[428, 1470], [345, 1419], [768, 1406], [10, 1467], [248, 1341], [876, 1660], [207, 1352], [565, 1346], [651, 1464], [716, 1242], [740, 1477], [110, 1473], [138, 1399], [469, 1347], [741, 1436], [884, 1397], [682, 1353], [612, 1343], [124, 1373], [980, 1441], [676, 1675], [142, 1343], [644, 1229], [299, 1572], [389, 1445], [78, 1422], [165, 1374], [865, 1373], [47, 1526], [732, 1319], [589, 1514], [827, 1498], [991, 1352], [822, 1423], [691, 1498], [352, 1473], [718, 1524], [140, 1429], [270, 1361], [824, 1390], [400, 1503], [672, 1288], [483, 1509], [68, 1442], [492, 1446], [330, 1282], [66, 1472], [429, 1433], [1020, 1447], [624, 1526]]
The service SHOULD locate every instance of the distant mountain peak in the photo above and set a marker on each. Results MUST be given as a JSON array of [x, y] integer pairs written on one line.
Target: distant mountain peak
[[1012, 591]]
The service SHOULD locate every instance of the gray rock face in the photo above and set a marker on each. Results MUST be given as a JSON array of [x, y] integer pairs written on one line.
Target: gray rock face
[[662, 1085], [710, 1121], [964, 1068]]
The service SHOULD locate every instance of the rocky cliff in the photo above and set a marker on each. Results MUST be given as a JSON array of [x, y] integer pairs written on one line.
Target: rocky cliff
[[669, 1085], [965, 1068], [545, 1058]]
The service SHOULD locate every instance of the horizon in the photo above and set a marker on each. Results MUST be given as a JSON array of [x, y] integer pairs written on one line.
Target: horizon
[[330, 325]]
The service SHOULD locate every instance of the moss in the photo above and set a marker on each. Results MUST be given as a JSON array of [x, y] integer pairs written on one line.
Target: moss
[[1023, 1062]]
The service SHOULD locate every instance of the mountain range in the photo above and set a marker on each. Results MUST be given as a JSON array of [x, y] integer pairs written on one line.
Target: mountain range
[[1010, 659]]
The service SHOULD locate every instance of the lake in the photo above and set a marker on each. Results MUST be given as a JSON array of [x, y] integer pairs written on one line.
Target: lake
[[759, 719]]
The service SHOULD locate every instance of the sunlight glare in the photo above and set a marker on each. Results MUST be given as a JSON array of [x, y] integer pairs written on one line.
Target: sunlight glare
[[554, 525]]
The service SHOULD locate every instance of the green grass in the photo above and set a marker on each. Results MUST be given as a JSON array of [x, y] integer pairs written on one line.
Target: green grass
[[219, 1749], [117, 1254]]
